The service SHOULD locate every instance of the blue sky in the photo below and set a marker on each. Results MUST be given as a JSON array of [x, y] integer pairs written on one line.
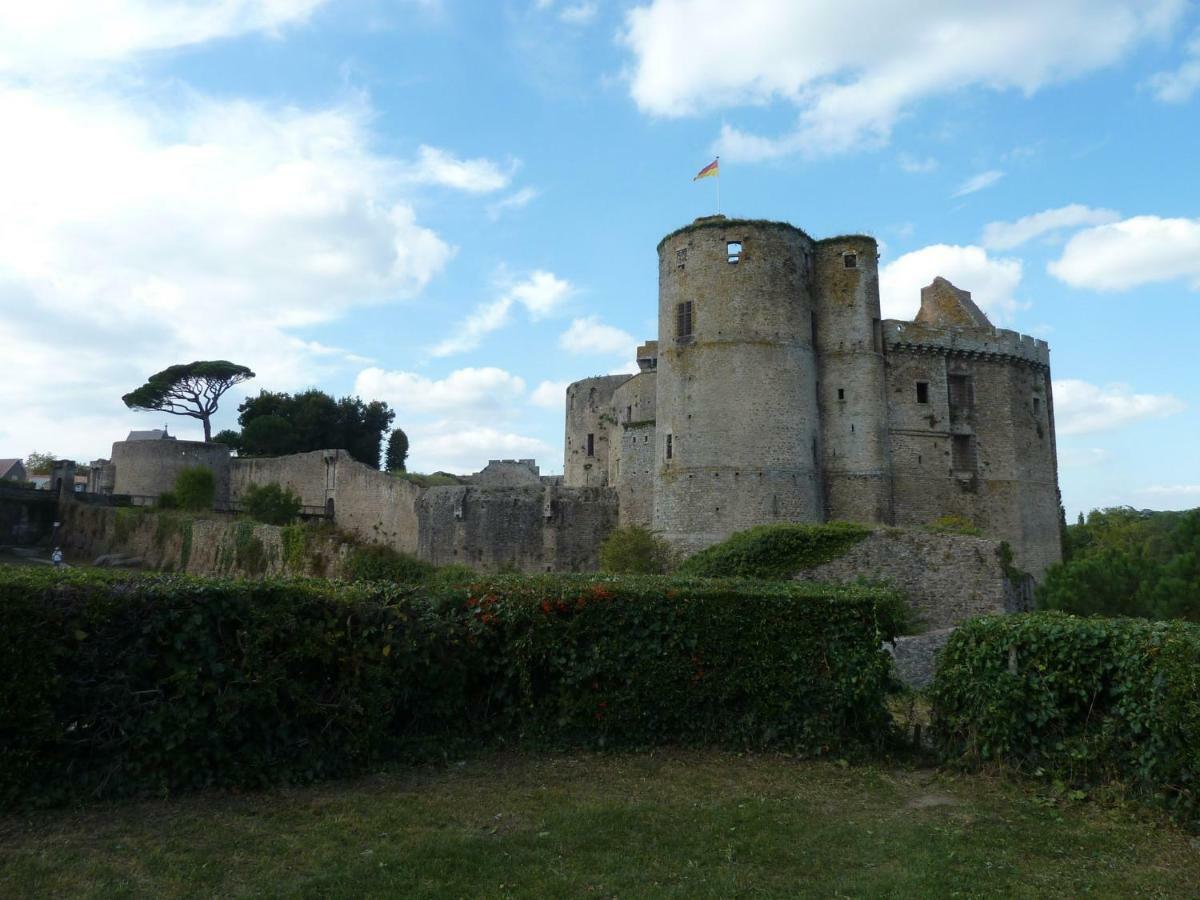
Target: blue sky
[[453, 206]]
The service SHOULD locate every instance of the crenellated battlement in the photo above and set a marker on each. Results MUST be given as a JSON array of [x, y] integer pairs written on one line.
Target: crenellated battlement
[[995, 343]]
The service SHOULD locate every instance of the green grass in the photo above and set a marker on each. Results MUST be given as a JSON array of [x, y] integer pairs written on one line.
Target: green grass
[[670, 824]]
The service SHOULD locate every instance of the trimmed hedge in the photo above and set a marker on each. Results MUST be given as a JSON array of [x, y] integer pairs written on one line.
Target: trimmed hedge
[[775, 551], [114, 685], [1087, 700]]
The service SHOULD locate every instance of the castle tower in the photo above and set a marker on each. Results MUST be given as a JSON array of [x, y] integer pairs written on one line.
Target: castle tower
[[853, 378], [590, 419], [736, 405]]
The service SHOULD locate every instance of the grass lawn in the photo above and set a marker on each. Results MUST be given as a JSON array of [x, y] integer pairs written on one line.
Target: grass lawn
[[673, 824]]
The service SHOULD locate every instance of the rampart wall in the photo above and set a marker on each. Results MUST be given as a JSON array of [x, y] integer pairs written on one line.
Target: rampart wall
[[149, 468]]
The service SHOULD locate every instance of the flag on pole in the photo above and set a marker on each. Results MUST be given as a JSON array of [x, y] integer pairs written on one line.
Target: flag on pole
[[708, 171]]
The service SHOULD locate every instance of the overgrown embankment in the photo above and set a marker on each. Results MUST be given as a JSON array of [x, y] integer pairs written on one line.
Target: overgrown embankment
[[115, 685]]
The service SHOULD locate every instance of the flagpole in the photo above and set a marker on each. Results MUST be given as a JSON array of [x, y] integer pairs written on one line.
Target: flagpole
[[718, 185]]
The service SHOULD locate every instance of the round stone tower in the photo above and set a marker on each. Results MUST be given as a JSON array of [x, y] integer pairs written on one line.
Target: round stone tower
[[590, 419], [737, 436], [852, 373]]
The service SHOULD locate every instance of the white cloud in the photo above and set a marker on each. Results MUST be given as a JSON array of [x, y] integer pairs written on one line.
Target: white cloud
[[475, 176], [518, 199], [590, 335], [466, 447], [1006, 235], [1082, 408], [1188, 489], [578, 13], [917, 166], [541, 293], [852, 72], [978, 182], [992, 282], [549, 394], [1130, 253], [461, 393], [1082, 457], [51, 37], [1179, 86]]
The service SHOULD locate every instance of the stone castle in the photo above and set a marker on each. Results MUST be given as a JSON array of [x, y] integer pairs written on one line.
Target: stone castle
[[774, 393]]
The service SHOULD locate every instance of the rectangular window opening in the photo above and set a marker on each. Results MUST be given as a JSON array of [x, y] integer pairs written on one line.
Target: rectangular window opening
[[841, 393], [670, 448], [850, 260], [733, 250], [681, 258], [629, 414], [960, 391], [591, 448], [683, 319], [1037, 405], [962, 453], [922, 391]]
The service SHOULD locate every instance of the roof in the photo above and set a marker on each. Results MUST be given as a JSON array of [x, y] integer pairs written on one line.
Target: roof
[[7, 465], [155, 434]]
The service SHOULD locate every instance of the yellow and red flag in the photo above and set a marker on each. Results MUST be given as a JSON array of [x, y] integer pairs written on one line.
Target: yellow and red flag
[[713, 168]]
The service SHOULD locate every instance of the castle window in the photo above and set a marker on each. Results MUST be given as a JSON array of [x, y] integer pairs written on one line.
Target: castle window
[[841, 393], [962, 397], [1037, 405], [922, 391], [877, 335], [591, 445], [733, 250], [850, 260], [962, 453], [681, 258], [670, 448], [629, 414], [683, 319]]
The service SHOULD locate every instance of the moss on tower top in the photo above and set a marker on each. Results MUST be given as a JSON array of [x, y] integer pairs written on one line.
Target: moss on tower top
[[723, 222]]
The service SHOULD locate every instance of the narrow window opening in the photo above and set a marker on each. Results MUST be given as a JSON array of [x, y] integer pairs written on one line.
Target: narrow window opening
[[681, 258], [918, 459], [733, 251], [852, 428], [1037, 405], [959, 387], [841, 393], [962, 453], [877, 335], [591, 448], [922, 391], [683, 319], [670, 446], [629, 414], [850, 260], [813, 317]]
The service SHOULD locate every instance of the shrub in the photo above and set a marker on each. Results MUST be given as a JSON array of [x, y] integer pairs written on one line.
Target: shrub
[[775, 551], [116, 685], [167, 500], [1087, 700], [375, 562], [271, 504], [195, 488], [635, 551]]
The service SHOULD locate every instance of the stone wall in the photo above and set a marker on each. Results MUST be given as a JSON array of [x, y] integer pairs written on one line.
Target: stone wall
[[527, 529], [948, 578], [149, 468], [590, 424]]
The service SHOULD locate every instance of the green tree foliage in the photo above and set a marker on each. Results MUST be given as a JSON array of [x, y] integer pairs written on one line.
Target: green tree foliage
[[1126, 562], [39, 463], [230, 438], [375, 562], [271, 504], [397, 451], [635, 551], [276, 424], [195, 488], [192, 389]]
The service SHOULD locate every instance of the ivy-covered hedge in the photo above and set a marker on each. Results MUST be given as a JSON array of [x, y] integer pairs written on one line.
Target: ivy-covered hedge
[[113, 685], [1085, 699], [775, 551]]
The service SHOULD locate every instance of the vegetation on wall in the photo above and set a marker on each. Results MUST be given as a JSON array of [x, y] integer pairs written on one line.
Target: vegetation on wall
[[1125, 562], [195, 489], [775, 551], [1086, 700], [635, 551], [271, 504], [117, 685]]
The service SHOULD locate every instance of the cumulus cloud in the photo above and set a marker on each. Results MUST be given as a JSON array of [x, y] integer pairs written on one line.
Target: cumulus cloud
[[549, 394], [852, 73], [992, 281], [1007, 235], [53, 37], [978, 182], [590, 335], [1130, 253], [1181, 84], [462, 392], [476, 176], [1082, 408], [466, 447], [518, 199], [541, 293]]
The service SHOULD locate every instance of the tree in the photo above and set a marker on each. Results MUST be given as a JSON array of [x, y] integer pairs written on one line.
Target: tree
[[397, 451], [276, 424], [189, 390], [271, 504], [39, 463], [195, 488]]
